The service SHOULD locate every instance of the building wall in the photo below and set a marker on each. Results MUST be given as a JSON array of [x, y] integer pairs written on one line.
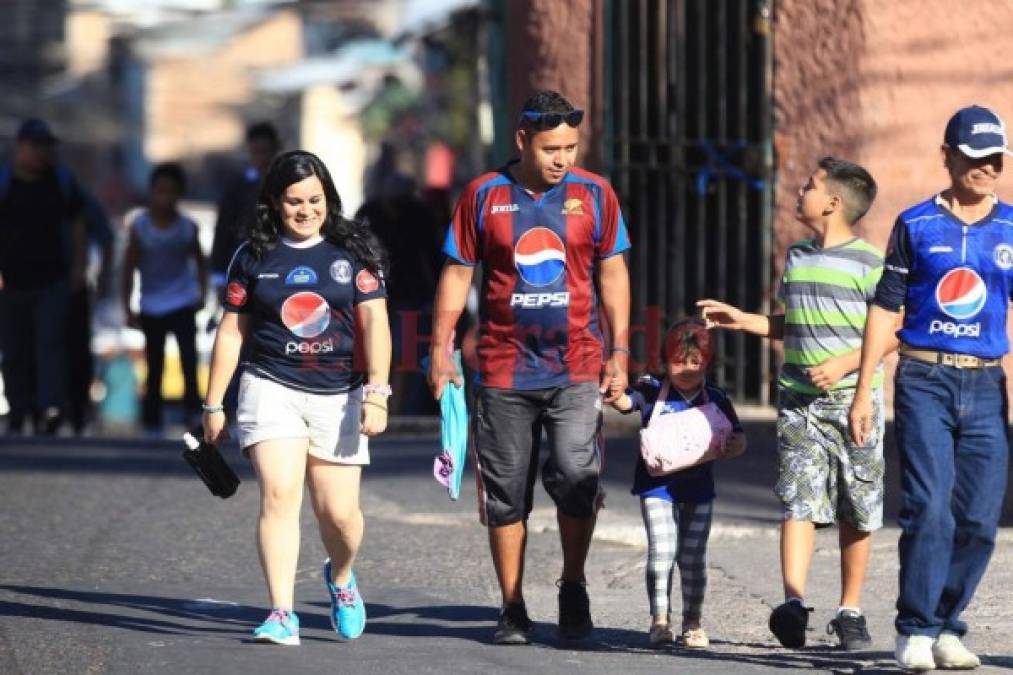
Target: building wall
[[875, 82], [817, 101], [557, 38], [193, 104], [924, 60]]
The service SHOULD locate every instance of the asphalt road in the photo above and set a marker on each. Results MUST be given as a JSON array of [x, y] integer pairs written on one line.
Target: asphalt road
[[115, 559]]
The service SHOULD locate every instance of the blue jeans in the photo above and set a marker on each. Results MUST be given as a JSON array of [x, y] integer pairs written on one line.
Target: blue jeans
[[33, 331], [951, 435]]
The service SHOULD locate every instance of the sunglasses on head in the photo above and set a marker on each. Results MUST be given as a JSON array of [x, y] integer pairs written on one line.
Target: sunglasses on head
[[551, 120]]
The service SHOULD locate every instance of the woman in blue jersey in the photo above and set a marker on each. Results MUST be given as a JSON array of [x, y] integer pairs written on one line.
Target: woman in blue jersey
[[164, 248], [306, 293]]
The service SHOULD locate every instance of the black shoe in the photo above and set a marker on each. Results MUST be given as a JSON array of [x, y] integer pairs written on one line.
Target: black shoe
[[50, 422], [15, 425], [514, 626], [574, 610], [851, 631], [788, 623]]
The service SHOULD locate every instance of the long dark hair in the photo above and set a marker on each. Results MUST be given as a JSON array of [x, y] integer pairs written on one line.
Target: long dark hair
[[292, 167]]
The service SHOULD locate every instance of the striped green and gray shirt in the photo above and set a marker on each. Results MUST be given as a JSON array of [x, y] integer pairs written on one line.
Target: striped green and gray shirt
[[826, 294]]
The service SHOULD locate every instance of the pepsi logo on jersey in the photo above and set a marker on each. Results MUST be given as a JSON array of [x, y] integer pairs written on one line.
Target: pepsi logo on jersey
[[540, 259], [961, 295], [539, 300], [235, 294], [539, 256], [366, 282], [306, 315]]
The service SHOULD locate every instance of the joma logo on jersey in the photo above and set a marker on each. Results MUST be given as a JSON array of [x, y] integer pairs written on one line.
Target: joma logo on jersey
[[539, 300], [504, 208]]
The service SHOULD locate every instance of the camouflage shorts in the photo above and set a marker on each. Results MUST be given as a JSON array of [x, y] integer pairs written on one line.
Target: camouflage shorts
[[822, 475]]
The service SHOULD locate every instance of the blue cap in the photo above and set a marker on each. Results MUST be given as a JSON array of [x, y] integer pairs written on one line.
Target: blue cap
[[36, 131], [976, 132]]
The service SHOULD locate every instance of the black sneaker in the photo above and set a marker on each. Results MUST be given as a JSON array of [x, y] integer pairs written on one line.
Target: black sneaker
[[574, 610], [851, 631], [49, 422], [788, 623], [514, 626]]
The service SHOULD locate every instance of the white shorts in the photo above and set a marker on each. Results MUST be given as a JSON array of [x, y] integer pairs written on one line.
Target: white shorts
[[331, 422]]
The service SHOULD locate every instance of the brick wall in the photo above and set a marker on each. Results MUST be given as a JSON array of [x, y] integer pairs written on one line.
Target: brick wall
[[551, 49], [194, 103], [875, 82]]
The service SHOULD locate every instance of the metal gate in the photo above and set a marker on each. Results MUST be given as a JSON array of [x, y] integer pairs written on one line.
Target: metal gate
[[687, 146]]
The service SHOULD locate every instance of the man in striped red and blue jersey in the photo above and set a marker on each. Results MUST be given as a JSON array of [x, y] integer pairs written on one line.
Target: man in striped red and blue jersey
[[541, 229]]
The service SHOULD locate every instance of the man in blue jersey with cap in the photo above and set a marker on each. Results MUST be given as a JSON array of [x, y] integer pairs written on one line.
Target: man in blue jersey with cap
[[949, 267]]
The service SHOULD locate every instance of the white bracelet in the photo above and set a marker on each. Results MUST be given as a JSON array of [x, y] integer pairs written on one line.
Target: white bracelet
[[212, 408], [382, 389]]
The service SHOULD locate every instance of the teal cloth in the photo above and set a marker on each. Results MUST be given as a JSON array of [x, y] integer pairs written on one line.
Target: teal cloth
[[120, 404], [454, 432]]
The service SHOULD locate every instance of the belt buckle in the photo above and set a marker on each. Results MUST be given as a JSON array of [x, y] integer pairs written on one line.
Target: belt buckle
[[966, 361]]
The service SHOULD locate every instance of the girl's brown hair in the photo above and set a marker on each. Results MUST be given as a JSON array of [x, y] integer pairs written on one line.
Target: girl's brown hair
[[687, 337]]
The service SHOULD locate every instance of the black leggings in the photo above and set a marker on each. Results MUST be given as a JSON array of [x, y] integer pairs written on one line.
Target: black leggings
[[182, 325]]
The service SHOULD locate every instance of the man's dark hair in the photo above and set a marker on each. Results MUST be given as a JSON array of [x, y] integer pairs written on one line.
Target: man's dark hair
[[172, 171], [547, 101], [852, 183], [262, 131]]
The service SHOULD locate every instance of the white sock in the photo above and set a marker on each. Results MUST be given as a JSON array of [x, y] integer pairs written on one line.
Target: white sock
[[798, 600], [841, 610]]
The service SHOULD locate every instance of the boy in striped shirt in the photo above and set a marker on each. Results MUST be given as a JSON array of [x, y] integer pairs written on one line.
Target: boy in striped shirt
[[823, 477]]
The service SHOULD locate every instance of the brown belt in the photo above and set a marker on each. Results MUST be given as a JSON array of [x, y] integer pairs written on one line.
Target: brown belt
[[948, 359]]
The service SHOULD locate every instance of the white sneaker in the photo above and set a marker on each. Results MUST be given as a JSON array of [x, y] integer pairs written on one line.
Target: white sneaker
[[914, 652], [951, 654]]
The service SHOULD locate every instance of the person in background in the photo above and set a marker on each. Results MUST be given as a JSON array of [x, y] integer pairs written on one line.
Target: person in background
[[42, 260], [237, 207], [81, 361], [409, 229], [164, 248], [237, 215]]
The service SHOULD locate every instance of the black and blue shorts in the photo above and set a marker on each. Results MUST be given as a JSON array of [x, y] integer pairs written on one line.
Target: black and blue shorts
[[507, 431]]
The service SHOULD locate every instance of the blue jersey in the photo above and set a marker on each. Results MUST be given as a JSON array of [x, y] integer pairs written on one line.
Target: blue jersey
[[301, 302], [952, 278]]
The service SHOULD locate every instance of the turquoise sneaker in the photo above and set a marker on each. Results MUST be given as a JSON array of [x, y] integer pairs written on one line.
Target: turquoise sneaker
[[348, 612], [281, 628]]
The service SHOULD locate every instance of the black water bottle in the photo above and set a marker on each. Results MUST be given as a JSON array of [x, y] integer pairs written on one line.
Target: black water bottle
[[209, 464]]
